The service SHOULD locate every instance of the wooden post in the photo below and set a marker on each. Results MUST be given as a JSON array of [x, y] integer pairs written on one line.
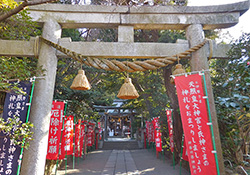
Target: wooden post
[[35, 157], [195, 35], [131, 128]]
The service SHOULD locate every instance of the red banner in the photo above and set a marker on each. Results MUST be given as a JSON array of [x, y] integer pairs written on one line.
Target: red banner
[[55, 130], [77, 139], [195, 124], [90, 135], [82, 138], [170, 129], [67, 139], [157, 134], [150, 131]]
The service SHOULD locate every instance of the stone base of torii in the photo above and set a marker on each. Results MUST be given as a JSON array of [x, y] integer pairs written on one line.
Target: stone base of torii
[[54, 17]]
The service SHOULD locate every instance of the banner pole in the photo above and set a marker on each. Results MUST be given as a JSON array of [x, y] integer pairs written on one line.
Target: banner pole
[[162, 150], [57, 161], [182, 145], [27, 119], [173, 141], [163, 153], [74, 146], [78, 146], [211, 126], [66, 156]]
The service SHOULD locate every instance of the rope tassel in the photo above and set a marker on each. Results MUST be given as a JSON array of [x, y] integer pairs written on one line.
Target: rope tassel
[[80, 82], [128, 90]]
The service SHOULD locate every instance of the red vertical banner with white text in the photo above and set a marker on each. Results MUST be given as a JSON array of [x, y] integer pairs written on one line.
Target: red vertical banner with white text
[[150, 131], [77, 138], [170, 129], [55, 130], [90, 135], [157, 132], [195, 124], [82, 138], [67, 137]]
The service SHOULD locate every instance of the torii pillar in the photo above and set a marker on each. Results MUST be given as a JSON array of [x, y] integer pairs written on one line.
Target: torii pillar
[[199, 62], [35, 157]]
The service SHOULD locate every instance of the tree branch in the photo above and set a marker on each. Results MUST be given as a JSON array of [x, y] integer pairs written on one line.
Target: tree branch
[[95, 78], [21, 7]]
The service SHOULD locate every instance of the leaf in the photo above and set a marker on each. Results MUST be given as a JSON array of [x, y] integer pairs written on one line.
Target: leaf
[[233, 104], [230, 79], [225, 84]]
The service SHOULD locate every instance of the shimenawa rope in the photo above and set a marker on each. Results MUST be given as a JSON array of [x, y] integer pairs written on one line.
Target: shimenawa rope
[[121, 66]]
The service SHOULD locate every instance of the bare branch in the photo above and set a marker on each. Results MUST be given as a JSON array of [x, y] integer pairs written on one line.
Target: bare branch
[[95, 78], [22, 6]]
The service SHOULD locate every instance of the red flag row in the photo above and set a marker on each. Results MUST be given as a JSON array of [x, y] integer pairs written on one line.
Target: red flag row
[[62, 134], [153, 133]]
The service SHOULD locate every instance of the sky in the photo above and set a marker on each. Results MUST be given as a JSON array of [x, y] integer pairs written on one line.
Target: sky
[[235, 31]]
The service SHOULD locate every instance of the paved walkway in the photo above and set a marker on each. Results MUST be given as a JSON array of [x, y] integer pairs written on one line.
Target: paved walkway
[[122, 162]]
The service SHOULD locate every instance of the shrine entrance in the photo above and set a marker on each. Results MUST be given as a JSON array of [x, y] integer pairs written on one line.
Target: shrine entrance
[[119, 126], [54, 17], [116, 120]]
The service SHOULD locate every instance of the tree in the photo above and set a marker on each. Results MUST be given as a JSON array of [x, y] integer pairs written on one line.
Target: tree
[[16, 27], [231, 86], [10, 7]]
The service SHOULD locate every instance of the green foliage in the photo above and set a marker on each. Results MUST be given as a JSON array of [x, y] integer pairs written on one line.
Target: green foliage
[[73, 33], [17, 131], [153, 98], [163, 36], [17, 27], [80, 102], [15, 68], [178, 2], [231, 86]]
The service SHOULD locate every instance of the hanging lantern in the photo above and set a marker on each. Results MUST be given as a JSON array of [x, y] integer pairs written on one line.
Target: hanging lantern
[[128, 90], [178, 70], [80, 82]]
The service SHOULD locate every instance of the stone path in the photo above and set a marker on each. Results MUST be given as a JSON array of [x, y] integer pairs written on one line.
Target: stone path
[[122, 162]]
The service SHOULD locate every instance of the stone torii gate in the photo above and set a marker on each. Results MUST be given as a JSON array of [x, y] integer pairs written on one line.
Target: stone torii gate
[[55, 17]]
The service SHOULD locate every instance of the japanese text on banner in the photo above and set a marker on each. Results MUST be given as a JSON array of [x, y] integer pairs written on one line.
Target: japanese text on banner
[[157, 132], [90, 135], [55, 130], [15, 105], [67, 137], [195, 124], [77, 139], [170, 129]]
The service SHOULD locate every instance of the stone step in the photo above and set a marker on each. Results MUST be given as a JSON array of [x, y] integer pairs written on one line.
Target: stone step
[[120, 145]]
